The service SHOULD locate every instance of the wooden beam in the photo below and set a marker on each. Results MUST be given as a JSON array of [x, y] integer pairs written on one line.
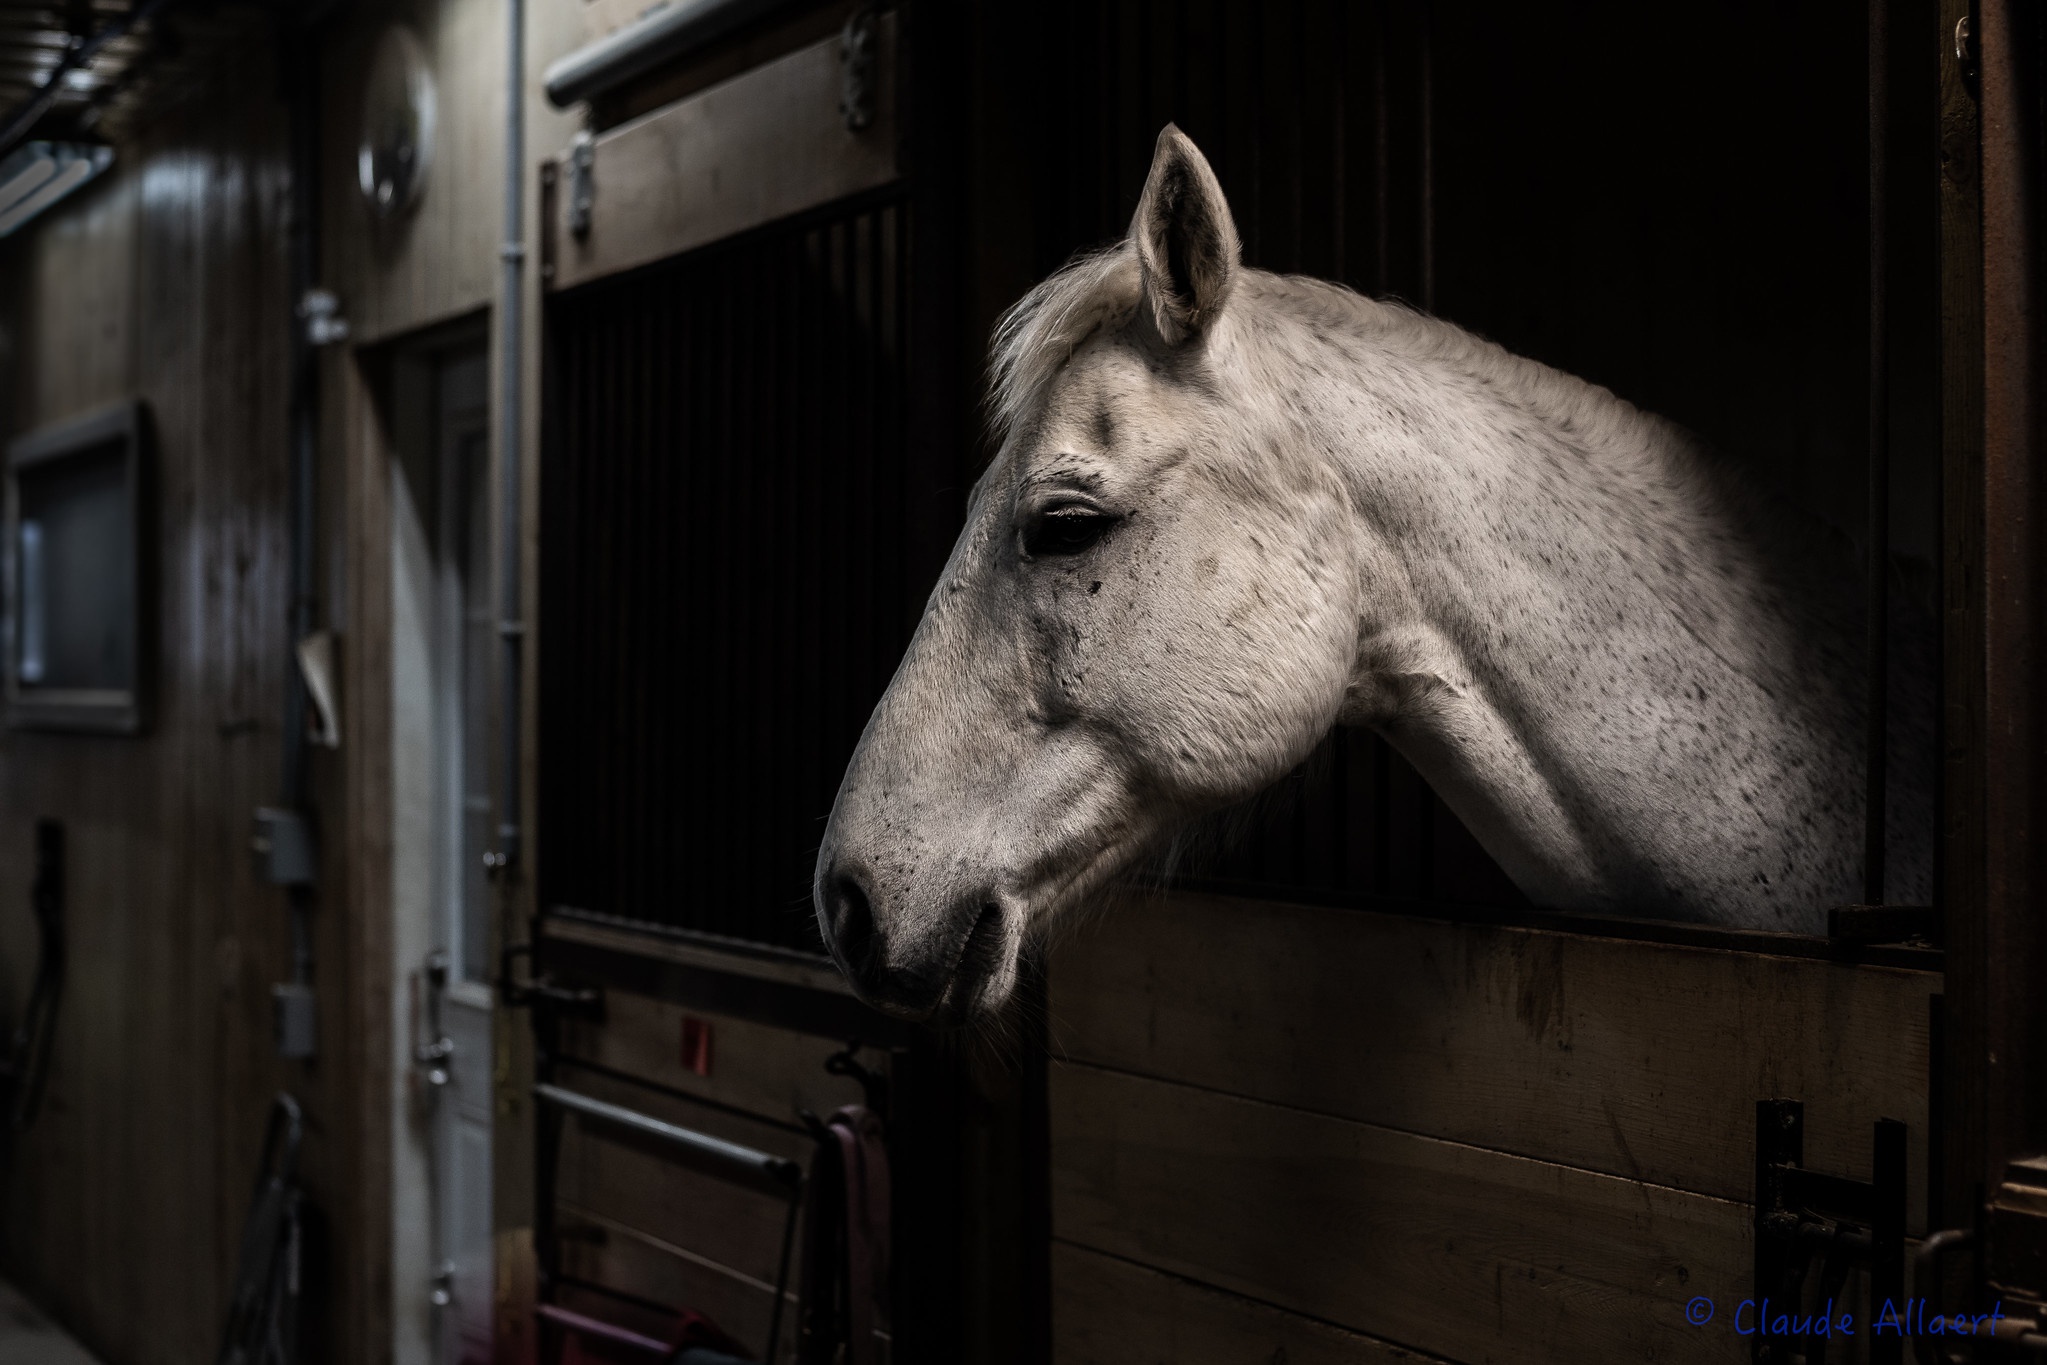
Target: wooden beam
[[1630, 1058], [1114, 1312], [1452, 1249], [762, 146]]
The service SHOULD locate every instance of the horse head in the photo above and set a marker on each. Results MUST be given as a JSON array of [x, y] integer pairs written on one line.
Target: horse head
[[1148, 614]]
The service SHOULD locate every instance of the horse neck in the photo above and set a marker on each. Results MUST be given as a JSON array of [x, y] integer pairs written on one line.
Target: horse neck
[[1561, 588]]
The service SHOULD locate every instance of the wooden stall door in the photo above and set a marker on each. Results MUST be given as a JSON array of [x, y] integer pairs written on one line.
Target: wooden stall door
[[1348, 1134], [732, 556]]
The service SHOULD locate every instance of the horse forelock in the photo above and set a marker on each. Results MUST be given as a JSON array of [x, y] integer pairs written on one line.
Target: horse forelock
[[1091, 293]]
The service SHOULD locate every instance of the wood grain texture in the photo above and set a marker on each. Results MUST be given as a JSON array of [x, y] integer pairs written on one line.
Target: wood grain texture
[[1112, 1312], [1470, 1254], [440, 260], [1625, 1057], [639, 1184], [771, 1072], [122, 1208], [759, 147], [630, 1261]]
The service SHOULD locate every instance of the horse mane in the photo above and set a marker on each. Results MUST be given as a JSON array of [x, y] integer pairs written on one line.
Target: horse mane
[[1100, 290], [1095, 290]]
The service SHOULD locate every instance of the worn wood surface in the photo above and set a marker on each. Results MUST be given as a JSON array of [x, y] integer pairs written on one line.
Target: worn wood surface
[[1114, 1312], [759, 147], [439, 260], [785, 968], [1467, 1253], [122, 1207], [637, 1185], [1630, 1058], [663, 1192], [665, 1229], [631, 1261], [767, 1071]]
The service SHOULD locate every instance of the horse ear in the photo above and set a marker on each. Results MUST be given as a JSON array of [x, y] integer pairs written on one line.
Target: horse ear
[[1186, 240]]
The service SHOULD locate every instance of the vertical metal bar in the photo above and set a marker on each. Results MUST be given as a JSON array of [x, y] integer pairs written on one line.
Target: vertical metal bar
[[304, 424], [511, 352], [1887, 1237], [1428, 168], [1875, 796], [782, 1276]]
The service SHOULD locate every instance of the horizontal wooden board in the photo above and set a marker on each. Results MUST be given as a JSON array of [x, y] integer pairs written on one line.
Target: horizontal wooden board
[[1111, 1312], [1471, 1254], [1626, 1057], [758, 147], [771, 1072], [628, 1260], [780, 966], [632, 1184]]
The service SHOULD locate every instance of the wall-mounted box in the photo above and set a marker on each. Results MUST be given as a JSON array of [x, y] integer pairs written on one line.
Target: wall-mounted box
[[74, 573]]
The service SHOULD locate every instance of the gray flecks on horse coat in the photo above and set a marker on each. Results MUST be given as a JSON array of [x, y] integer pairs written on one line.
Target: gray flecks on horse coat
[[1634, 679]]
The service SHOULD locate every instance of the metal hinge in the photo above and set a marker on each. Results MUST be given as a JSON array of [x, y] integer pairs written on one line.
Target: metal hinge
[[432, 1057], [322, 314], [582, 182], [442, 1292], [857, 42]]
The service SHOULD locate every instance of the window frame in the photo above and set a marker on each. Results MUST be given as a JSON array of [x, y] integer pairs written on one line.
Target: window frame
[[111, 710]]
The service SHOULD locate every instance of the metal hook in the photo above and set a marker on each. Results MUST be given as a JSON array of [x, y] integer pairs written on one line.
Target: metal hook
[[873, 1087]]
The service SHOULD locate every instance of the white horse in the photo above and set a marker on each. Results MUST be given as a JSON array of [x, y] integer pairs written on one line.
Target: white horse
[[1232, 509]]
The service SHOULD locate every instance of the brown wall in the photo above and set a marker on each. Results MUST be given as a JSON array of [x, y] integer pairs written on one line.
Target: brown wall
[[121, 1209]]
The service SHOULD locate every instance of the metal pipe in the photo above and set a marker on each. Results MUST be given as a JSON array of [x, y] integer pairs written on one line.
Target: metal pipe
[[511, 358], [662, 35], [303, 435], [1876, 786], [741, 1161]]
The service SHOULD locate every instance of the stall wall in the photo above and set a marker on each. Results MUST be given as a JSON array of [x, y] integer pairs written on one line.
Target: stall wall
[[122, 1206], [168, 281]]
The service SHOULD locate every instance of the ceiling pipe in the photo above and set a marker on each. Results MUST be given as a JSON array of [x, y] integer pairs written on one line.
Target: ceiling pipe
[[662, 35]]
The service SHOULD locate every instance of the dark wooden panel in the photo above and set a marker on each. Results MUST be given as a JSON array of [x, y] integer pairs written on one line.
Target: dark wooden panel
[[766, 1071], [1636, 1059], [1462, 1252], [630, 1262], [759, 146], [122, 1207], [1112, 1312]]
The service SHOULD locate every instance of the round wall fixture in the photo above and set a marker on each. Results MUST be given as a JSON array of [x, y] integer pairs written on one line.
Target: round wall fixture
[[397, 147]]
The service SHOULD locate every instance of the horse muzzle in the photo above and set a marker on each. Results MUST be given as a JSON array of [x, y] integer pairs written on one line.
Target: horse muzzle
[[947, 970]]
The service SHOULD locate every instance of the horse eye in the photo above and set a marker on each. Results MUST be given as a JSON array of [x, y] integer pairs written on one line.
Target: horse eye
[[1068, 531]]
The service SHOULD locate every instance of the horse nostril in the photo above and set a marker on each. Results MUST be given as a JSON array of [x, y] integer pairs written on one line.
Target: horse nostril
[[852, 923]]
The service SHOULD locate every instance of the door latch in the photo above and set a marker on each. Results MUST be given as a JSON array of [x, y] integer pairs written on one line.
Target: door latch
[[432, 1057]]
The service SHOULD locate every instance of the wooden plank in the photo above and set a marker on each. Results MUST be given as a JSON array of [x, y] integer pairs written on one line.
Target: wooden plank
[[1471, 1254], [632, 1262], [771, 1072], [759, 147], [1630, 1058], [638, 1185], [439, 260], [787, 968], [1110, 1312]]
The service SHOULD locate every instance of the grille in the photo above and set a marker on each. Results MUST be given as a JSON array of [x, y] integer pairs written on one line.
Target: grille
[[724, 581]]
